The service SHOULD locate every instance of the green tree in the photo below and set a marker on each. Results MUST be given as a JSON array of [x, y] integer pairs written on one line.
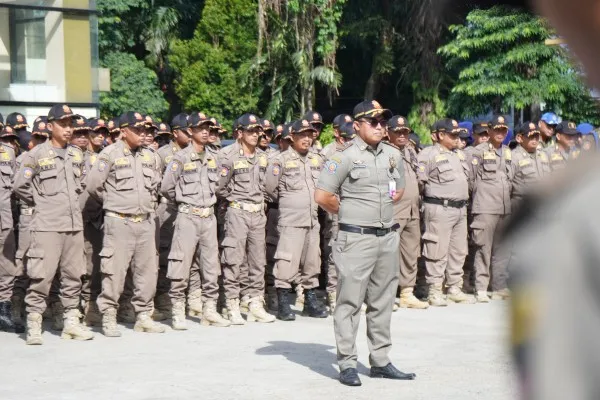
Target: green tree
[[134, 87], [216, 68], [500, 61]]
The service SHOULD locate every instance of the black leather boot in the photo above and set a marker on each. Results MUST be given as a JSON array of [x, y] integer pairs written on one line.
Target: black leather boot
[[6, 322], [284, 312], [312, 307]]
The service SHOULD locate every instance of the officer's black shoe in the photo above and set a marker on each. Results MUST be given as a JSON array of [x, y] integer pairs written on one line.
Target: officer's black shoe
[[284, 312], [391, 372], [6, 322], [349, 377], [312, 307]]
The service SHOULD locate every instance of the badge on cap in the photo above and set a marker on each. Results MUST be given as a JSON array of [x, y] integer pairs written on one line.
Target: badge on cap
[[304, 122], [348, 118], [279, 128], [66, 109], [42, 126], [138, 116], [214, 121], [201, 115], [267, 123], [454, 124], [19, 118], [252, 119], [572, 125], [400, 121], [80, 121], [111, 124], [501, 119], [376, 104], [316, 117], [531, 126], [101, 122], [163, 127]]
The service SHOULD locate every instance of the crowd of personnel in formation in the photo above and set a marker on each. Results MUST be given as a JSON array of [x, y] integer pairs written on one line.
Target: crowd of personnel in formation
[[135, 221]]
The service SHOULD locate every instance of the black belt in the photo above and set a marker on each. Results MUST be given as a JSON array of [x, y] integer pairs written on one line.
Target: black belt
[[273, 206], [446, 202], [366, 230]]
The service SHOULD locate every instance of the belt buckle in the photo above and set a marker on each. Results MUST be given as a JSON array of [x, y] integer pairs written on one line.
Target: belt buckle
[[380, 232], [136, 218], [445, 202]]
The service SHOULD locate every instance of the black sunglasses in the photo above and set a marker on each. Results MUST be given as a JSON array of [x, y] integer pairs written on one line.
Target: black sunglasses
[[375, 121]]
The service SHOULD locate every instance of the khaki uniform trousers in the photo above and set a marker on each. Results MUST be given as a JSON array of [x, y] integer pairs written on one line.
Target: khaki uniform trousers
[[194, 247], [367, 270], [127, 246], [272, 240], [92, 283], [166, 214], [410, 248], [491, 258], [244, 238], [48, 253], [445, 244], [330, 232], [8, 269], [298, 253]]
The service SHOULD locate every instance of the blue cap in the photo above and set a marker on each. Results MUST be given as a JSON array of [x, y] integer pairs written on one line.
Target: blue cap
[[468, 125], [550, 118], [585, 128], [509, 137]]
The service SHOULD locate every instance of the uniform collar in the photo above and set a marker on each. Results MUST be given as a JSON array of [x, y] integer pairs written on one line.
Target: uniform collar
[[365, 147]]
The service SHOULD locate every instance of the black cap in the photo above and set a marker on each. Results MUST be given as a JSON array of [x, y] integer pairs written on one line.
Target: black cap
[[347, 130], [567, 128], [267, 125], [150, 122], [40, 127], [371, 109], [415, 140], [180, 121], [60, 111], [286, 130], [446, 125], [313, 117], [398, 122], [8, 131], [98, 124], [113, 126], [341, 119], [163, 129], [527, 128], [480, 127], [302, 125], [80, 124], [498, 122], [215, 124], [131, 119], [16, 121], [248, 121], [198, 118], [278, 130]]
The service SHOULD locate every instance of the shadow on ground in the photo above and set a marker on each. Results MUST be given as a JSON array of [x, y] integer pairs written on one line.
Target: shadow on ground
[[319, 358]]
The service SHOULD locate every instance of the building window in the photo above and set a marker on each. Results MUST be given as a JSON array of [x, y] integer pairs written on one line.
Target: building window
[[28, 46]]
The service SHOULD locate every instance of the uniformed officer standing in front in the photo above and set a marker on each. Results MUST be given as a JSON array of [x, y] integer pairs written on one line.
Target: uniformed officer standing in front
[[125, 180], [443, 174], [316, 120], [565, 147], [190, 180], [407, 214], [242, 169], [369, 177], [50, 180], [290, 181], [490, 182]]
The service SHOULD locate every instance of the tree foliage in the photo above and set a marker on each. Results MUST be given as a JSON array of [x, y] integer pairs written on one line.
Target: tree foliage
[[500, 61], [134, 88]]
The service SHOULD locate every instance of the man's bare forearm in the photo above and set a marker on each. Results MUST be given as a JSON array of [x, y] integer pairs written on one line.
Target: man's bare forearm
[[328, 201]]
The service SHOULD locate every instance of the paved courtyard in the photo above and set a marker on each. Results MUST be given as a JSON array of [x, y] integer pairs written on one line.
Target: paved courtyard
[[459, 352]]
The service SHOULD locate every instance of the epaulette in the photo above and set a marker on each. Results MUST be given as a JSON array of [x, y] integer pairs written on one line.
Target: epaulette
[[391, 145], [345, 146]]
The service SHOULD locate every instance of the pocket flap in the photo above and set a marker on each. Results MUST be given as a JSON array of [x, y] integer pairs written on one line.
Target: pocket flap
[[358, 173], [19, 254], [124, 173], [149, 172], [229, 242], [443, 167], [35, 253], [477, 225], [188, 178], [48, 173], [430, 237], [283, 255], [272, 240], [6, 169], [107, 252], [176, 255], [242, 177]]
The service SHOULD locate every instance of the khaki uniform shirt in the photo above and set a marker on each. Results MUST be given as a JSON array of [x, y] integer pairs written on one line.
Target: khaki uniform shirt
[[90, 207], [291, 180], [241, 178], [8, 166], [408, 206], [444, 174], [166, 154], [52, 184], [191, 180], [125, 181], [558, 157], [361, 175], [490, 178], [527, 169]]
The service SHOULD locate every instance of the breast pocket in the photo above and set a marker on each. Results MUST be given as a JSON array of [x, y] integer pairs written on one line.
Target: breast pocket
[[444, 172], [124, 178], [148, 178], [293, 181], [49, 181], [6, 173], [190, 184], [489, 170], [359, 173]]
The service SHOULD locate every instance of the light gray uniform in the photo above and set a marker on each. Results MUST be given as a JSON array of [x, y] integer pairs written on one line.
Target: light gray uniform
[[49, 179], [125, 182], [444, 176], [241, 183], [291, 180], [190, 181], [8, 269], [366, 263]]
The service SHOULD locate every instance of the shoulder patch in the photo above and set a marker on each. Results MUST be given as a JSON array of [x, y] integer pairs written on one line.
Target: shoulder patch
[[345, 146], [475, 161], [392, 145]]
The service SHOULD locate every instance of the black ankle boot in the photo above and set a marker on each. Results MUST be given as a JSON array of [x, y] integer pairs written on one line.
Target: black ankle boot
[[284, 312], [312, 306], [6, 322]]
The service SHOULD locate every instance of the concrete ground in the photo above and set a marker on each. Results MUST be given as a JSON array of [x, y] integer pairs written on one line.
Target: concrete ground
[[460, 352]]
